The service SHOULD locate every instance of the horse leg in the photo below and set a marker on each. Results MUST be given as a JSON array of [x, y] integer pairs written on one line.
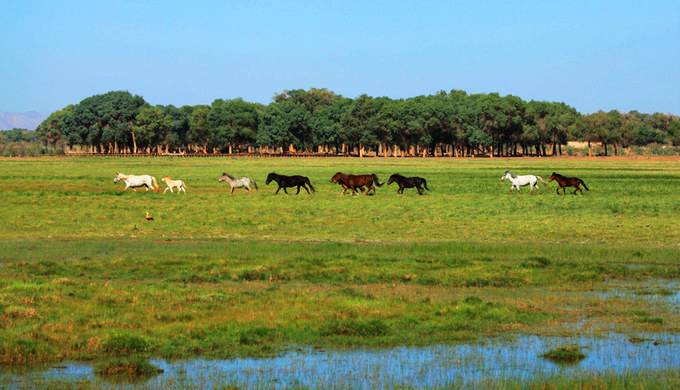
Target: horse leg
[[285, 190], [277, 191], [419, 189], [298, 190], [305, 187], [232, 190]]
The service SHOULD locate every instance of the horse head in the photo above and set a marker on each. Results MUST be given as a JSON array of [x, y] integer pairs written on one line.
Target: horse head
[[271, 176], [336, 177], [505, 175], [393, 178], [119, 176]]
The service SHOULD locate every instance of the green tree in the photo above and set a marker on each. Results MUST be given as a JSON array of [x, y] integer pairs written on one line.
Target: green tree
[[152, 126], [199, 128], [232, 122]]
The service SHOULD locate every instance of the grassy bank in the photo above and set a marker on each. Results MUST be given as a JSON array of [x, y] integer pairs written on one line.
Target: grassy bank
[[84, 276]]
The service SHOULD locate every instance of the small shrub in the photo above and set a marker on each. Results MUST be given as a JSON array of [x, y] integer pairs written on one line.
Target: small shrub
[[128, 367], [253, 336], [21, 351], [473, 300], [367, 328], [565, 354], [536, 262], [262, 273], [651, 320], [495, 281], [123, 343], [638, 340], [354, 293]]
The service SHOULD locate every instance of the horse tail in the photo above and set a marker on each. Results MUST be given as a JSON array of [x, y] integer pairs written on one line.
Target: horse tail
[[541, 180], [309, 183], [156, 187], [425, 185], [584, 184], [254, 184], [377, 182]]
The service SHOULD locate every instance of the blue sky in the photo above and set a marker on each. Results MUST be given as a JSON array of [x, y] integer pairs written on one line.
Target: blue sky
[[591, 54]]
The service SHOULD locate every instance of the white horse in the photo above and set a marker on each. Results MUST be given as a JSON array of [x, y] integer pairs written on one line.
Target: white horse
[[521, 181], [134, 181], [244, 182], [179, 184]]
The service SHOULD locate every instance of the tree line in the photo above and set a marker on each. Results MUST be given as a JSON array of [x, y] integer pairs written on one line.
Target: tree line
[[451, 123]]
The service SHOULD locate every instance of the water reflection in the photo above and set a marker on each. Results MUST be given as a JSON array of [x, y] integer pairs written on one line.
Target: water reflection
[[421, 367]]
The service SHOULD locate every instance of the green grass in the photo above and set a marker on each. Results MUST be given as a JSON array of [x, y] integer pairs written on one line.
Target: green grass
[[127, 368], [84, 276], [565, 354]]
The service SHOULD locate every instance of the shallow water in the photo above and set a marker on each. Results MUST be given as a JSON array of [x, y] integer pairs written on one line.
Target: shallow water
[[659, 292], [421, 367]]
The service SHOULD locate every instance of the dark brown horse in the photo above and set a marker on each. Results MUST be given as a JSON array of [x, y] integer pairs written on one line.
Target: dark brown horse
[[284, 182], [408, 182], [355, 182], [563, 182]]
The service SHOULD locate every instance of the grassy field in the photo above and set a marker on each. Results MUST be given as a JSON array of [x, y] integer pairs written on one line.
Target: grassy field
[[84, 276]]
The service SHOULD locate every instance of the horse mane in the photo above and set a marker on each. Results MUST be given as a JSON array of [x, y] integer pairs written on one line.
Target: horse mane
[[512, 175], [228, 175]]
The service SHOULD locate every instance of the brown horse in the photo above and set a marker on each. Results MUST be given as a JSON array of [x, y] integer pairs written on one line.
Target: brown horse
[[563, 182], [356, 182]]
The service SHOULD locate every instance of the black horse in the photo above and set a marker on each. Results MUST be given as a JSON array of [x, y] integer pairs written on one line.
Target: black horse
[[408, 182], [290, 181]]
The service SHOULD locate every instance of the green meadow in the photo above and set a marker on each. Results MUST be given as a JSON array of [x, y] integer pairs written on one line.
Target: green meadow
[[84, 276]]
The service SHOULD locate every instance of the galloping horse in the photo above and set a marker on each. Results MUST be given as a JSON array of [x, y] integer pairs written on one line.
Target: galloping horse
[[522, 180], [563, 182], [356, 181], [284, 182], [408, 182], [244, 182], [134, 182], [170, 184]]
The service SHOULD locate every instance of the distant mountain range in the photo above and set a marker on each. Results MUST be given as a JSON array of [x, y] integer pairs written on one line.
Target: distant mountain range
[[20, 120]]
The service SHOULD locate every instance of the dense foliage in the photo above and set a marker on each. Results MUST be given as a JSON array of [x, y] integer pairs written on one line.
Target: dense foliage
[[22, 142], [318, 120]]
